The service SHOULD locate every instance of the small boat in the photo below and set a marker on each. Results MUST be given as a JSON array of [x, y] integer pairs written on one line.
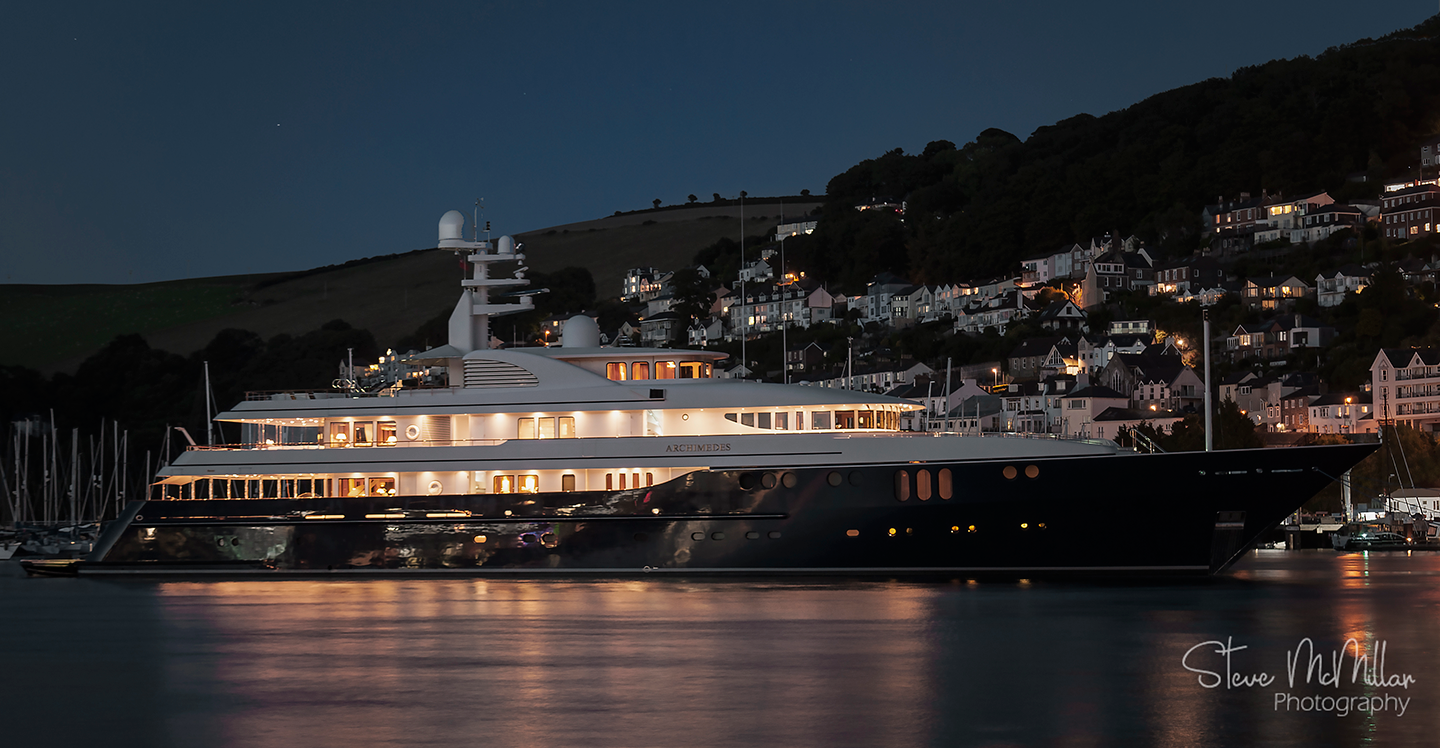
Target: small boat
[[1373, 540]]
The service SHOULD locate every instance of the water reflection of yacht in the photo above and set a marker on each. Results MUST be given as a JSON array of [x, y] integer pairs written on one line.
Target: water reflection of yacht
[[582, 458]]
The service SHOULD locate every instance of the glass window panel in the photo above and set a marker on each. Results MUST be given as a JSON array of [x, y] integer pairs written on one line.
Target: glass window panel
[[382, 486], [504, 484], [609, 481], [867, 419], [547, 428], [220, 488], [664, 369], [567, 427], [529, 484], [763, 420], [640, 370], [352, 487], [615, 370], [902, 485], [844, 419], [799, 420], [649, 479], [339, 433], [363, 433], [567, 482], [622, 481], [252, 488], [820, 419], [691, 369], [270, 488], [922, 485], [782, 421], [386, 433], [202, 488], [747, 419], [525, 428]]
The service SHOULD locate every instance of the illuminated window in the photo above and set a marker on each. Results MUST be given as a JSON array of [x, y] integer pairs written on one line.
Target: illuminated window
[[567, 482], [364, 432], [382, 486], [782, 421], [947, 487], [922, 485], [820, 419], [529, 484], [615, 371], [844, 419], [622, 481], [664, 369], [386, 433], [692, 370], [649, 479], [902, 485], [636, 481], [567, 427], [339, 434], [504, 484], [525, 428], [799, 420], [609, 482], [352, 487], [867, 419], [547, 427], [640, 370]]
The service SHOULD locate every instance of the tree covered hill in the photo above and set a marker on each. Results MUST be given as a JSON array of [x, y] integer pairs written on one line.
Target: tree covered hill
[[1291, 126]]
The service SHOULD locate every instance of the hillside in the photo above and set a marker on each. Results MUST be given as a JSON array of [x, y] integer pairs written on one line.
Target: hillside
[[1341, 121], [54, 328]]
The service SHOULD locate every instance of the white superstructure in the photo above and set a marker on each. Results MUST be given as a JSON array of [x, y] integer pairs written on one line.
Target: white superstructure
[[578, 417]]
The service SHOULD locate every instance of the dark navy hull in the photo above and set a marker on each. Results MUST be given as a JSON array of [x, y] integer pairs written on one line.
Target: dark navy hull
[[1172, 514]]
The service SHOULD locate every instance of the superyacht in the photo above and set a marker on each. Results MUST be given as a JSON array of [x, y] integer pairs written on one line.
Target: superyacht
[[585, 459]]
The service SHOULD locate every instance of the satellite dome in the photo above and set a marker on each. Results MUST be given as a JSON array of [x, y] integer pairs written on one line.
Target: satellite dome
[[506, 246], [452, 226], [580, 332]]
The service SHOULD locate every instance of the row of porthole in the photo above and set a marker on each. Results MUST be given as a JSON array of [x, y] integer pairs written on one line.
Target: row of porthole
[[954, 530], [751, 535], [748, 481]]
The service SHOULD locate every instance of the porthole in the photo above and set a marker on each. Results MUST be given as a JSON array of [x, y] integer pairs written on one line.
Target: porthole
[[529, 538], [1010, 472], [767, 480], [922, 484], [789, 480], [1031, 471], [480, 538], [947, 486], [549, 540], [852, 533], [697, 536], [892, 532], [902, 484], [856, 478], [434, 488], [717, 536], [412, 432], [773, 534], [748, 481], [236, 541], [834, 478], [752, 535]]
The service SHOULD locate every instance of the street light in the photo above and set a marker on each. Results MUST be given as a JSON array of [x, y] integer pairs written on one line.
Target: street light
[[995, 378]]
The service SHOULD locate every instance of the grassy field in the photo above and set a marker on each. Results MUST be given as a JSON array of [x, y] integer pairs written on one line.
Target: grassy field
[[54, 328]]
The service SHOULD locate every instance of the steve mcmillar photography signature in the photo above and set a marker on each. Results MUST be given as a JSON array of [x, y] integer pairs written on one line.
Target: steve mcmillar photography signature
[[1218, 664]]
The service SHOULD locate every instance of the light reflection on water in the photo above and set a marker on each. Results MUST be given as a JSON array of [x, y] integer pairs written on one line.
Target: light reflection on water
[[642, 662]]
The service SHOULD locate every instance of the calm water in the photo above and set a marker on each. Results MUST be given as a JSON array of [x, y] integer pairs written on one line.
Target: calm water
[[657, 662]]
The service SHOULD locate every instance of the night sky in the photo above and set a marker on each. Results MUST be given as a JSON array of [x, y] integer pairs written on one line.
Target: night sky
[[146, 141]]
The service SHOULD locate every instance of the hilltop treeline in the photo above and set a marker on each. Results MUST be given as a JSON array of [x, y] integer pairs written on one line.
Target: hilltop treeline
[[1296, 126]]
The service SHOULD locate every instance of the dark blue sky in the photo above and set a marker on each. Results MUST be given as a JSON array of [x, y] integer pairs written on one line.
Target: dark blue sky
[[155, 141]]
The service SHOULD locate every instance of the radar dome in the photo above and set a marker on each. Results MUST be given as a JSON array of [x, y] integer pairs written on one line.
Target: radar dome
[[452, 226], [580, 332], [506, 246]]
